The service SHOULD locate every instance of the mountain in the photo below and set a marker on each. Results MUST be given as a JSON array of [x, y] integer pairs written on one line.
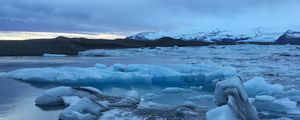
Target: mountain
[[71, 46], [255, 35]]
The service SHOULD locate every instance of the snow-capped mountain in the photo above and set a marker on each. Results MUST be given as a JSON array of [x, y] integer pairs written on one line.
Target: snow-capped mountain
[[254, 35]]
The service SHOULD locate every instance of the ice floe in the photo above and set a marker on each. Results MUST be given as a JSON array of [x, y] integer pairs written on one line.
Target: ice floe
[[221, 113], [132, 99], [178, 74], [175, 90], [57, 96], [119, 114], [283, 118], [84, 103], [54, 55], [275, 105], [189, 111], [293, 95], [84, 109], [149, 96], [258, 86], [265, 98], [203, 98], [154, 106]]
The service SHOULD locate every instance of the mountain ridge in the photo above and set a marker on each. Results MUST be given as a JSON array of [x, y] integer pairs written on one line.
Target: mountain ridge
[[71, 46]]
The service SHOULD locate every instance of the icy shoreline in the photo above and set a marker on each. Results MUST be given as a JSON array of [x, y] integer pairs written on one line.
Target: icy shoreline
[[83, 103]]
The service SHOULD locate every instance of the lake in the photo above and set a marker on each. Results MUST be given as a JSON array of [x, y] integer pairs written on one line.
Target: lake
[[275, 63]]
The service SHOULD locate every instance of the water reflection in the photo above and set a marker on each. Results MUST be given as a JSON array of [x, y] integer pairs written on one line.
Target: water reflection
[[17, 102], [24, 109]]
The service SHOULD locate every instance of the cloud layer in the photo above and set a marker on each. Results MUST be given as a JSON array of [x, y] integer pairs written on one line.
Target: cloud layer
[[130, 16]]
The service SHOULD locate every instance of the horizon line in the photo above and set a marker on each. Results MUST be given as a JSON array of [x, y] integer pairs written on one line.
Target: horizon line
[[28, 35]]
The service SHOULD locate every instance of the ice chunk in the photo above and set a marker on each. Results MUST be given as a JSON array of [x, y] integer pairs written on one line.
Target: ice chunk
[[100, 66], [132, 99], [119, 67], [154, 106], [54, 55], [56, 95], [219, 74], [286, 103], [293, 95], [265, 98], [175, 90], [221, 113], [196, 88], [231, 96], [202, 97], [189, 111], [294, 111], [258, 86], [84, 109], [277, 105], [119, 114], [70, 100], [102, 52], [222, 98], [149, 96], [205, 100], [283, 118]]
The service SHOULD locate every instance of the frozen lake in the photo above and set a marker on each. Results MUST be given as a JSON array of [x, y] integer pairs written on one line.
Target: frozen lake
[[277, 64]]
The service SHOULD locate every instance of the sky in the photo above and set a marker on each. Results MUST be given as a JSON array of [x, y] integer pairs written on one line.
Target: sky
[[23, 19]]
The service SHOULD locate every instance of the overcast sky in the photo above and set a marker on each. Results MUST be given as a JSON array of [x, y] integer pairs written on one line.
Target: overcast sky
[[125, 17]]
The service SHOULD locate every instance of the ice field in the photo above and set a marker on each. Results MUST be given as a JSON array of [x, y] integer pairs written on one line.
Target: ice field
[[174, 80]]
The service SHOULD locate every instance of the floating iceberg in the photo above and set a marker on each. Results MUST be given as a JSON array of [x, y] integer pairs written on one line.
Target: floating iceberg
[[293, 95], [202, 97], [175, 90], [189, 111], [258, 86], [265, 98], [119, 114], [57, 96], [269, 103], [132, 99], [268, 97], [154, 106], [221, 113], [178, 74], [84, 109], [283, 118], [54, 55], [232, 98], [84, 103]]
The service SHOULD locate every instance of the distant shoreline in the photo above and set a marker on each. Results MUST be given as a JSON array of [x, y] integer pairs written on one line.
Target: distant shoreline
[[71, 46]]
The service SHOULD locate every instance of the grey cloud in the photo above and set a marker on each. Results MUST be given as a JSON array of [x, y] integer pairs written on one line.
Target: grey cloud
[[144, 15]]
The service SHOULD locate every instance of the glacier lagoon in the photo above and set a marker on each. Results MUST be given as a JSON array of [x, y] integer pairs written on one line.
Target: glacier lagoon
[[276, 64]]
